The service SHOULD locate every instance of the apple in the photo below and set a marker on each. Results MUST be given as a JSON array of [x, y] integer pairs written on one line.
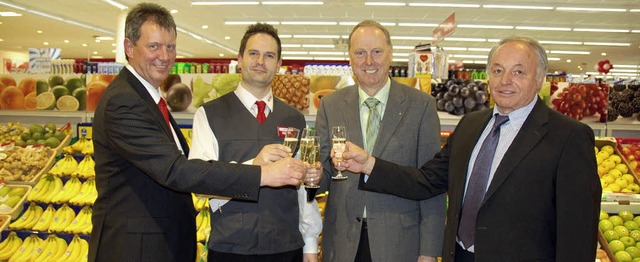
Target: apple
[[626, 215], [622, 183], [600, 159], [622, 167], [615, 158], [615, 173], [604, 215], [609, 179], [613, 188], [629, 178], [635, 188], [623, 256], [616, 220], [611, 235], [628, 241], [609, 149], [621, 230], [631, 225], [637, 220], [609, 164], [635, 234], [633, 251], [605, 225], [603, 154], [625, 151], [616, 246]]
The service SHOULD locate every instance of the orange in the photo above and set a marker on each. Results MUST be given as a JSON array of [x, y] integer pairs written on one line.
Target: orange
[[12, 98], [27, 85], [30, 101], [94, 92], [7, 80]]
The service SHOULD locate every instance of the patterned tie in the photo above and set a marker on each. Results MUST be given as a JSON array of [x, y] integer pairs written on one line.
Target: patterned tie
[[478, 183], [261, 116], [373, 123], [162, 105]]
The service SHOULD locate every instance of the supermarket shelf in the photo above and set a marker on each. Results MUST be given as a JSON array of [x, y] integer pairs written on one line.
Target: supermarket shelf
[[622, 127]]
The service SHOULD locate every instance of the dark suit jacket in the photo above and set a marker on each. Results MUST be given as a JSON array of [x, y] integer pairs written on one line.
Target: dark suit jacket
[[144, 211], [399, 229], [543, 202]]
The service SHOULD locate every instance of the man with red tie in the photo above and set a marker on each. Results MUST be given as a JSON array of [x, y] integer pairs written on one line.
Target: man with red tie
[[144, 211], [281, 225]]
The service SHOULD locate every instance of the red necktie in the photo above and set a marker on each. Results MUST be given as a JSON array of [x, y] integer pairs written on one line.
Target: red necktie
[[162, 105], [261, 116]]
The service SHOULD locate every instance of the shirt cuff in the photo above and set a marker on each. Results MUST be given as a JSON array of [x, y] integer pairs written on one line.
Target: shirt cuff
[[310, 245]]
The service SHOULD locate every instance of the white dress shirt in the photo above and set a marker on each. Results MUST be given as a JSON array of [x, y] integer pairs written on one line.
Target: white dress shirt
[[310, 223]]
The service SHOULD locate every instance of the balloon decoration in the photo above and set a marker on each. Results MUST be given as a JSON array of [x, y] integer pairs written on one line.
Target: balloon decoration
[[604, 66]]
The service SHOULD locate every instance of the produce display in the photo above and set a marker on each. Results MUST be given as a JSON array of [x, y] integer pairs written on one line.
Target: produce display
[[458, 97], [580, 100], [632, 154], [203, 219], [622, 233], [34, 248], [624, 102], [51, 189], [83, 146], [293, 89], [615, 175], [68, 166], [23, 164], [50, 219], [10, 197], [220, 85], [60, 94]]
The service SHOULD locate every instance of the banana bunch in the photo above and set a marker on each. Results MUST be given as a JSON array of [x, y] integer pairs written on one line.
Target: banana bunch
[[86, 168], [82, 223], [203, 225], [77, 250], [44, 191], [10, 245], [200, 203], [201, 252], [51, 249], [28, 251], [87, 195], [82, 146], [45, 219], [68, 191], [62, 218], [28, 219], [65, 166]]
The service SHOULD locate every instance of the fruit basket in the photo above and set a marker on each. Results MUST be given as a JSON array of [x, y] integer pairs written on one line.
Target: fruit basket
[[11, 199], [613, 170], [45, 162], [619, 230], [602, 244], [630, 149]]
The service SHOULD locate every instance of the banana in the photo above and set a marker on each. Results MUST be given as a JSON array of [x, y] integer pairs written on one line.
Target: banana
[[28, 247], [77, 146], [19, 223], [199, 251], [88, 170], [38, 213], [72, 251], [59, 219], [49, 246], [84, 249], [53, 191], [6, 241], [36, 189], [70, 166], [10, 246], [80, 220], [87, 148], [87, 225], [43, 190], [68, 191], [45, 220], [61, 247]]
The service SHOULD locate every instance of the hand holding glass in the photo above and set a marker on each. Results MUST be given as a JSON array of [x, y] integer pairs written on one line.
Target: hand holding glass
[[291, 138], [310, 154], [338, 138]]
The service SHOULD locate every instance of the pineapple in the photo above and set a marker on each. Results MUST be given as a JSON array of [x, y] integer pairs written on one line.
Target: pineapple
[[292, 89]]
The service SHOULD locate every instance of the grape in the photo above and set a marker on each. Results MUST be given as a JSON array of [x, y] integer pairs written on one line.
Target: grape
[[454, 90], [481, 97], [449, 107], [447, 96], [457, 101], [440, 105], [469, 102], [465, 92], [440, 96], [459, 111]]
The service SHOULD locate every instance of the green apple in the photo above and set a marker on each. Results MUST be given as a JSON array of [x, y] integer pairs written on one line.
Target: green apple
[[633, 251], [622, 168], [605, 225], [621, 230], [635, 234], [623, 256], [626, 215], [616, 245], [631, 225], [611, 235], [616, 220], [604, 215], [635, 188], [628, 241], [637, 220], [637, 259]]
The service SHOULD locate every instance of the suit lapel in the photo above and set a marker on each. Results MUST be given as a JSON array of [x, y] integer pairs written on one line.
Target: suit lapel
[[532, 131], [352, 115], [393, 114], [466, 139]]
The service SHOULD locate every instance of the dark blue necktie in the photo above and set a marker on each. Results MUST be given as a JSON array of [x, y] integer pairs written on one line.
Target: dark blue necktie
[[478, 183]]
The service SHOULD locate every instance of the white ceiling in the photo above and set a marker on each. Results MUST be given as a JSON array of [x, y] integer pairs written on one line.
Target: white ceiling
[[20, 33]]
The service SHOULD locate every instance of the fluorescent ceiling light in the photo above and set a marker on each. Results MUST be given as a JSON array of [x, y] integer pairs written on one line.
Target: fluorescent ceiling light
[[635, 31], [462, 39], [116, 4], [560, 43], [388, 24], [563, 8], [426, 38], [328, 58], [297, 58], [468, 56], [542, 28], [292, 3], [634, 10], [316, 36], [9, 14], [444, 5], [601, 30], [224, 3], [348, 23], [271, 22], [12, 5], [607, 44], [479, 49], [106, 38], [400, 54], [493, 40], [400, 59], [291, 45], [385, 3], [467, 61], [404, 47], [485, 26], [228, 49], [519, 7], [624, 70], [418, 24], [326, 53], [317, 46], [307, 23], [295, 52], [480, 62], [627, 66], [553, 58], [451, 48], [285, 36], [239, 22], [570, 52]]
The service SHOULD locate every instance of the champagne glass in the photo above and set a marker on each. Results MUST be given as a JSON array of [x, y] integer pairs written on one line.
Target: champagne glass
[[310, 154], [291, 138], [339, 138]]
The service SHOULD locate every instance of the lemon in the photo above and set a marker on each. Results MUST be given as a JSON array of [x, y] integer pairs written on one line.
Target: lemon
[[67, 103], [46, 101], [81, 94]]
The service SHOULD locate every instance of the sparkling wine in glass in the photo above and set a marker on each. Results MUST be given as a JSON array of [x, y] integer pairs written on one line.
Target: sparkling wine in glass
[[291, 138], [339, 138], [310, 154]]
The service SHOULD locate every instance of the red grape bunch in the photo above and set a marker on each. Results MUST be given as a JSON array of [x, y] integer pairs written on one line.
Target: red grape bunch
[[580, 100]]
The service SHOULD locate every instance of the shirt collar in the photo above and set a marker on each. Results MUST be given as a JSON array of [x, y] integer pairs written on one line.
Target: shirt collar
[[248, 100], [153, 91], [519, 115], [382, 95]]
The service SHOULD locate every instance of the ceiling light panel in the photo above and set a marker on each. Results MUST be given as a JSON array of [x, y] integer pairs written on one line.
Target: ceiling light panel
[[292, 3], [598, 30], [224, 3], [529, 7], [307, 23], [445, 5], [607, 44], [582, 9], [543, 28], [485, 26], [385, 4]]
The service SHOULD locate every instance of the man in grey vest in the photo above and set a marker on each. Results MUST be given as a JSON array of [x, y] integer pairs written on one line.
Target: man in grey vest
[[235, 127]]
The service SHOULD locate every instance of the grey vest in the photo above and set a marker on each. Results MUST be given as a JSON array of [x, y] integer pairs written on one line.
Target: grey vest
[[271, 224]]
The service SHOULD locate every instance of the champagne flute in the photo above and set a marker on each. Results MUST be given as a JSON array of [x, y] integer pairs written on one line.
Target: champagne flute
[[339, 138], [310, 154], [291, 138]]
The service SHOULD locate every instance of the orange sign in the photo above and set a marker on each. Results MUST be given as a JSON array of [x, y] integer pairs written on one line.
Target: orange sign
[[444, 29]]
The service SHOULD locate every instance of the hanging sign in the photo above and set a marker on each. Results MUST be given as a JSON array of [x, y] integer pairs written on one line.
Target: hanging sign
[[444, 29]]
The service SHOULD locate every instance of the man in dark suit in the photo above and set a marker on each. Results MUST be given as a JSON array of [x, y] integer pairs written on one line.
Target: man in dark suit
[[144, 210], [540, 200], [368, 226]]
